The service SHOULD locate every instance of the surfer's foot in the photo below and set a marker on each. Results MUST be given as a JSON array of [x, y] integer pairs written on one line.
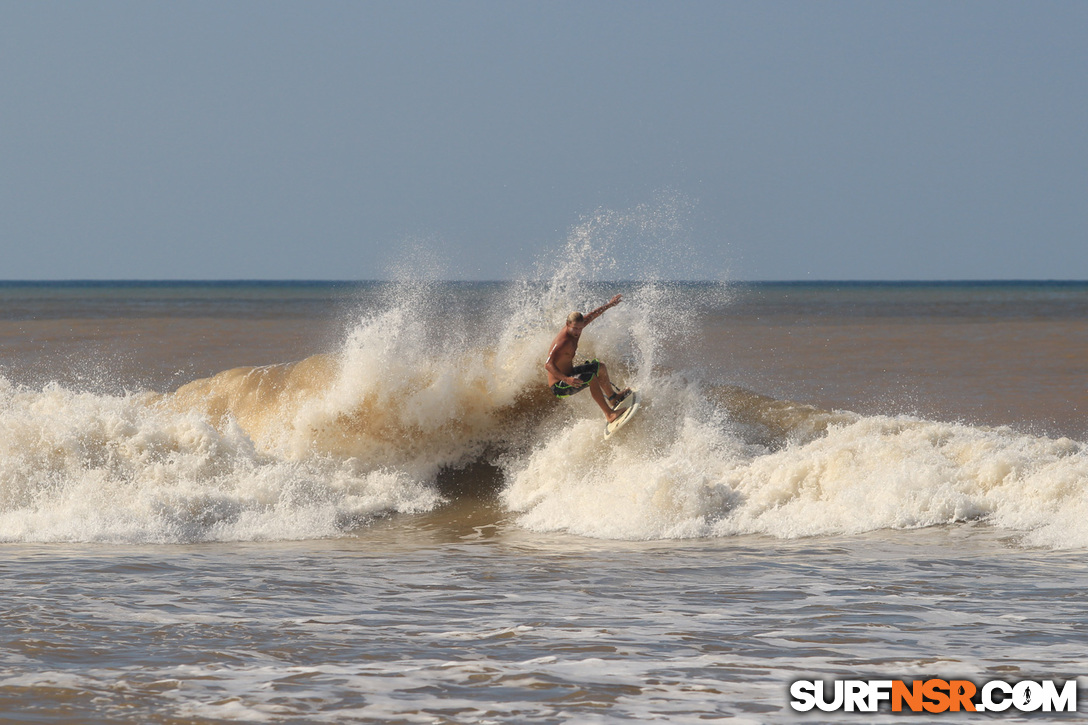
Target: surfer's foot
[[618, 397], [611, 417]]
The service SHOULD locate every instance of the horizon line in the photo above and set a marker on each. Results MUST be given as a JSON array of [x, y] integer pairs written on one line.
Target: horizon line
[[303, 281]]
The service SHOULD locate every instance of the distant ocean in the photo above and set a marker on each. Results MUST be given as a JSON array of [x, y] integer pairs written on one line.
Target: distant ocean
[[310, 502]]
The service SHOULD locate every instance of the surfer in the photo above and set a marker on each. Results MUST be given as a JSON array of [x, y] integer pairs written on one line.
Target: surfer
[[567, 379]]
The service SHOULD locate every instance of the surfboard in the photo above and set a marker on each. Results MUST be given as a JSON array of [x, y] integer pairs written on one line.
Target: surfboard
[[630, 406]]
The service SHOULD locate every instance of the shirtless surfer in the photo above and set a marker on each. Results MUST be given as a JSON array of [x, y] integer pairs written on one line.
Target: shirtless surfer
[[567, 379]]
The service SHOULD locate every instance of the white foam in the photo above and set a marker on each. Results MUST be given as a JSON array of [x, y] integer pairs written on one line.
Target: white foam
[[85, 467], [683, 472], [308, 449]]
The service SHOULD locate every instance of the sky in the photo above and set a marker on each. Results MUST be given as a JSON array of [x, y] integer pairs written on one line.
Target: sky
[[344, 140]]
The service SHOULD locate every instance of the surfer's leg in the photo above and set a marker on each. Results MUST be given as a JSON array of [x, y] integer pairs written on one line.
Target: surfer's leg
[[597, 392], [602, 375], [613, 394]]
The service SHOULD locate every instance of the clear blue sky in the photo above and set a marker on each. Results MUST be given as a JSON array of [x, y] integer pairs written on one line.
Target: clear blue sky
[[804, 140]]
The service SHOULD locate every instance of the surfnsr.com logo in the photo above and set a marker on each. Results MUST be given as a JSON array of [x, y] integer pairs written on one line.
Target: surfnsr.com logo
[[933, 696]]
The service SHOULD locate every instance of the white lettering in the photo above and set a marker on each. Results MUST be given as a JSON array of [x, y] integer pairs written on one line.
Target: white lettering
[[856, 696], [879, 690], [804, 697], [1066, 701], [1027, 696], [821, 701], [996, 705]]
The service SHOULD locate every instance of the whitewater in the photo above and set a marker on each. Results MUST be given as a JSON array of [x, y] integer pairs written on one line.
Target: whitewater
[[430, 381]]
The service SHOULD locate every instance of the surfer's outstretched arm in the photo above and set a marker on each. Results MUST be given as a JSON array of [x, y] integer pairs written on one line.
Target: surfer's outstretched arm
[[591, 316]]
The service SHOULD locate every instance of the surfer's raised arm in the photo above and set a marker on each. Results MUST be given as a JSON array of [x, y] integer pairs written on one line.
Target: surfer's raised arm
[[590, 317]]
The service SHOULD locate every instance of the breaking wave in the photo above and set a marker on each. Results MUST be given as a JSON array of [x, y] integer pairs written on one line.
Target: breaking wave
[[438, 378]]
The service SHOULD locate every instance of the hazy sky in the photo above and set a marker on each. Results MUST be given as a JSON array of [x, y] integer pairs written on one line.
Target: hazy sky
[[320, 140]]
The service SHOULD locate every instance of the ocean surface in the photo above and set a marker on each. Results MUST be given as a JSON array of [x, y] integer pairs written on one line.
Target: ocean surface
[[357, 502]]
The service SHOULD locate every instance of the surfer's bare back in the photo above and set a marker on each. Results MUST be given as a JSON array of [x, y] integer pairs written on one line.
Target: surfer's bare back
[[567, 379]]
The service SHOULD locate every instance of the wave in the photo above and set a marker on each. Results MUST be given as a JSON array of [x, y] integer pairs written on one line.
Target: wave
[[429, 382], [697, 471], [77, 466]]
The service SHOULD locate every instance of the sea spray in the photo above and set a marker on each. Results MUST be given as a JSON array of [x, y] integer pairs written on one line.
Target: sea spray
[[433, 379], [436, 377], [660, 477], [317, 447]]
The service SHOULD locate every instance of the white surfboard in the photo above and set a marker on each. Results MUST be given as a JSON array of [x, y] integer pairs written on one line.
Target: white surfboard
[[630, 407]]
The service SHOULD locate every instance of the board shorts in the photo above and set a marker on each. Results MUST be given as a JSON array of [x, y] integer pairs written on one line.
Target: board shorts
[[584, 372]]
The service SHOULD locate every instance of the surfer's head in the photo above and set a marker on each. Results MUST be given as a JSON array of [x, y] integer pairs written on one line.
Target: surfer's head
[[575, 318]]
